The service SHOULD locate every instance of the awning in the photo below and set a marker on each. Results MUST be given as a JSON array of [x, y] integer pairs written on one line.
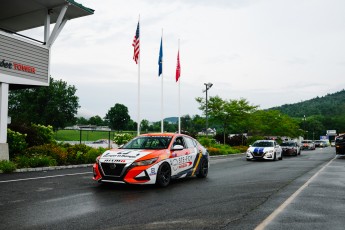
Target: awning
[[19, 15]]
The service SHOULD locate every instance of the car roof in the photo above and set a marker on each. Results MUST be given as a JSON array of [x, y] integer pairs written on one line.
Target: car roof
[[162, 135], [265, 140]]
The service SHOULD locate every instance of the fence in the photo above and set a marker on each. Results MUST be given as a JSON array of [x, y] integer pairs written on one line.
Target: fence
[[89, 137]]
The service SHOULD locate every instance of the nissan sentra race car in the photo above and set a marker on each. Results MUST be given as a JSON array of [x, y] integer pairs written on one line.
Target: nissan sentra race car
[[153, 159], [264, 149]]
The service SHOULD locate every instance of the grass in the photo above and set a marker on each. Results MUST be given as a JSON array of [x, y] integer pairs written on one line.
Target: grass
[[86, 135]]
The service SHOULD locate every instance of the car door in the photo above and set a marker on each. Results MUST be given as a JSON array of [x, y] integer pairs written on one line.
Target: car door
[[180, 155], [278, 149]]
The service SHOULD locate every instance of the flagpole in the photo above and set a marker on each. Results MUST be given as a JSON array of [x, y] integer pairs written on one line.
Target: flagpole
[[138, 116], [162, 114], [179, 94]]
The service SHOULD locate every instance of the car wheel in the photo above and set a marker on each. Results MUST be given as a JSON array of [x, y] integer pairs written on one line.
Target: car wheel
[[203, 169], [281, 157], [163, 175], [275, 157], [248, 159]]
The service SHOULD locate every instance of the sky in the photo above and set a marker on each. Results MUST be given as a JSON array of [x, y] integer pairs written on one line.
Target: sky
[[270, 52]]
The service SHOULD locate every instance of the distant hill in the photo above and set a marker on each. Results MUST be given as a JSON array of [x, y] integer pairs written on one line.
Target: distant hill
[[328, 106], [172, 120]]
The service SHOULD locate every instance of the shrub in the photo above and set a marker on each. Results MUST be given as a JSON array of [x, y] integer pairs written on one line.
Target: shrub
[[51, 150], [122, 138], [7, 166], [35, 161], [213, 151], [92, 154], [207, 142], [35, 134], [16, 142], [241, 148], [76, 153], [44, 134]]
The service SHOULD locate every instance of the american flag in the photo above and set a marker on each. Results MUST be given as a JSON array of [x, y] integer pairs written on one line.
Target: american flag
[[178, 67], [136, 45]]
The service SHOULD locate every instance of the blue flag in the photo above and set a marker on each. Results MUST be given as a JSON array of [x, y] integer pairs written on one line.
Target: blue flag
[[160, 59]]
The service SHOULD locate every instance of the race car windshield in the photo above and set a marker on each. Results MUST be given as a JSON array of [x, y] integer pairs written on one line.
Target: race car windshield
[[263, 144], [148, 143], [287, 144]]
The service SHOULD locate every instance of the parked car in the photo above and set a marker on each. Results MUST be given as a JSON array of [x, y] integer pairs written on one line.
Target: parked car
[[340, 145], [307, 144], [291, 148], [321, 144], [264, 149], [154, 158]]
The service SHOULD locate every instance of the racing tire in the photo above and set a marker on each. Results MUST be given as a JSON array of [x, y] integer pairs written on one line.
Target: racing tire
[[164, 175], [203, 169]]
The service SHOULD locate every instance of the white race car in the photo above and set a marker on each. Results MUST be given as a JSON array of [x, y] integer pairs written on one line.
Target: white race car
[[264, 149]]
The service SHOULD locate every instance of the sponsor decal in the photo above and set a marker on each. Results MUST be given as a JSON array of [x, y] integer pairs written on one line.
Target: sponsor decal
[[174, 164], [184, 165], [123, 154], [181, 162], [17, 66], [153, 172], [113, 161]]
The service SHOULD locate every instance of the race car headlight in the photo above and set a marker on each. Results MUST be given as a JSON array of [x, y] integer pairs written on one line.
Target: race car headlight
[[145, 162], [97, 159]]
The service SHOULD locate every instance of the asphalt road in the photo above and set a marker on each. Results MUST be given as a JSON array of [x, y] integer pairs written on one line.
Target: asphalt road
[[304, 192]]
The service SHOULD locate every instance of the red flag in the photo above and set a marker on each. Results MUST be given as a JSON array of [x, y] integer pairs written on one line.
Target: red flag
[[178, 67], [136, 45]]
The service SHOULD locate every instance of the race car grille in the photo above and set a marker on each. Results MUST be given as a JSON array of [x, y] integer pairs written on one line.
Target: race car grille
[[112, 169], [258, 152]]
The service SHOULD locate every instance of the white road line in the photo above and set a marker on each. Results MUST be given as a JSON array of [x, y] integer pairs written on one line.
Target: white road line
[[276, 212], [44, 177]]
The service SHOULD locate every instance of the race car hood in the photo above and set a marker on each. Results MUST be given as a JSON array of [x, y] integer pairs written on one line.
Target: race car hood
[[260, 149], [124, 155]]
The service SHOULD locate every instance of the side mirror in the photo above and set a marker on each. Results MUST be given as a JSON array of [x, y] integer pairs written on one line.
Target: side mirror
[[177, 147]]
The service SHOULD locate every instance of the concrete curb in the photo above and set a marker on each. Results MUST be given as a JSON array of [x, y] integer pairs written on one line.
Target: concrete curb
[[52, 168], [39, 169]]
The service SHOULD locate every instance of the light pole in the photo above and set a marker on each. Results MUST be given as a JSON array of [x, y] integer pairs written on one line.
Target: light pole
[[304, 128], [208, 86]]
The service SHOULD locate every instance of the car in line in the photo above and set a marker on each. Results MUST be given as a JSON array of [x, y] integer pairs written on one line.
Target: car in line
[[290, 148], [321, 144], [264, 149], [340, 145], [153, 158], [307, 145]]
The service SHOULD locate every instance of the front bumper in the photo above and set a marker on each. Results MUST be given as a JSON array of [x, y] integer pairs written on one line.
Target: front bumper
[[257, 156], [123, 174], [289, 152]]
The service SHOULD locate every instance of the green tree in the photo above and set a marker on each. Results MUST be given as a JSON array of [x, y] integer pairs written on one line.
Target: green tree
[[82, 121], [118, 117], [228, 113], [96, 120], [144, 125], [55, 105], [273, 123]]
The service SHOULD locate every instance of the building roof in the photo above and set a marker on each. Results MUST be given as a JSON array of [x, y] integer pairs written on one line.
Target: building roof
[[19, 15]]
